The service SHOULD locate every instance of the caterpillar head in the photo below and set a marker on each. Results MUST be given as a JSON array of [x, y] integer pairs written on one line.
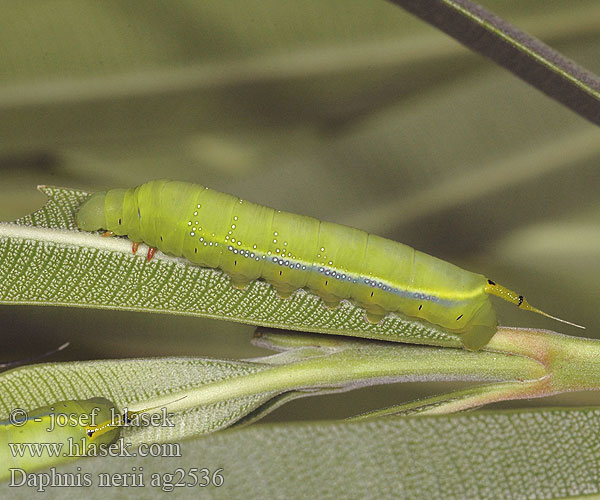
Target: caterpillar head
[[91, 215]]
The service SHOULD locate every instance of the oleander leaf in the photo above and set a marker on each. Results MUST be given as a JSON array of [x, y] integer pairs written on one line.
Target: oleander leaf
[[45, 260], [206, 395], [548, 453], [125, 382]]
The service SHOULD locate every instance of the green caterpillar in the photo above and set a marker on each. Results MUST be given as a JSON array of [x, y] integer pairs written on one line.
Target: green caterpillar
[[249, 241], [64, 430]]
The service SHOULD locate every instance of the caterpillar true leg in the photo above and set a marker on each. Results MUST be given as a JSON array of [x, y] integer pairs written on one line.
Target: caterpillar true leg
[[151, 252]]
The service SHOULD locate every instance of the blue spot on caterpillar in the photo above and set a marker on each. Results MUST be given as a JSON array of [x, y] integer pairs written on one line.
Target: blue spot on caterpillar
[[249, 241]]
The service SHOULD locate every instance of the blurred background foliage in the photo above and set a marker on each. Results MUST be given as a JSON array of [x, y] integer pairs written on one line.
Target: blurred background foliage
[[347, 110]]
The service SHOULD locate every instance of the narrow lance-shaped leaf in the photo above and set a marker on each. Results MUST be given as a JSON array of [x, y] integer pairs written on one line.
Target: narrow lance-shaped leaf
[[210, 394], [549, 453], [45, 260], [205, 395]]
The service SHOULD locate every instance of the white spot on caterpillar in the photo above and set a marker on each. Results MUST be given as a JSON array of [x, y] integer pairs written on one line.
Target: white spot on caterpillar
[[192, 233], [196, 213], [235, 217], [189, 223]]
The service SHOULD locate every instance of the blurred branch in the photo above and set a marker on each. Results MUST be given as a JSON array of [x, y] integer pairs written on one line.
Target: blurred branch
[[525, 56]]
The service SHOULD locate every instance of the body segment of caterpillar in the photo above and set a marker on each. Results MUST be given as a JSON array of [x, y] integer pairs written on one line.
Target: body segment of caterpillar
[[250, 241]]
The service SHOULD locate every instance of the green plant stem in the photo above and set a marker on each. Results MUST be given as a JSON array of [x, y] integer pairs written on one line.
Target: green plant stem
[[572, 364], [358, 364]]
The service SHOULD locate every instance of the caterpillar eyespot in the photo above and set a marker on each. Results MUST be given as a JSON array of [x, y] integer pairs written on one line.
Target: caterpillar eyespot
[[55, 433], [249, 241]]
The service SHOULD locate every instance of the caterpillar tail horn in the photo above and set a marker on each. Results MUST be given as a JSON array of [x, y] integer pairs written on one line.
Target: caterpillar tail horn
[[504, 293]]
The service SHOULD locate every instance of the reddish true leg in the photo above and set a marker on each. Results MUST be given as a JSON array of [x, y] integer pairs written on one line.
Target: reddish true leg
[[151, 252], [134, 247], [107, 234]]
